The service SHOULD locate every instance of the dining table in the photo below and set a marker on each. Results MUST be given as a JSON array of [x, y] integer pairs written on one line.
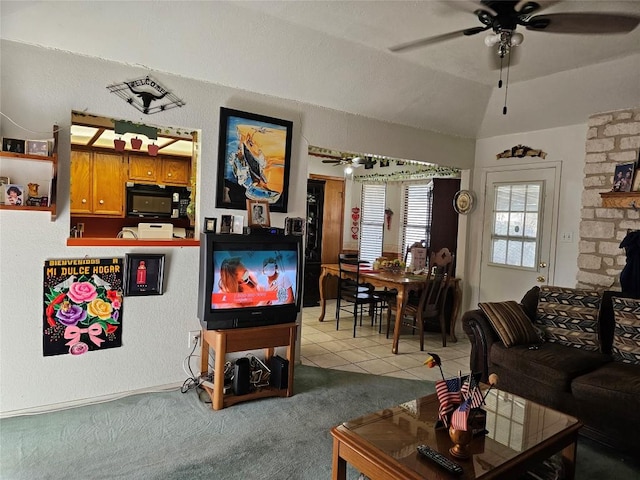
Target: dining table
[[404, 283]]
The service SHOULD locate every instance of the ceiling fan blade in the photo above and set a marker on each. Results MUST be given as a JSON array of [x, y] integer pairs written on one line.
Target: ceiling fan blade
[[332, 161], [586, 23], [423, 42], [485, 17], [472, 31], [527, 8]]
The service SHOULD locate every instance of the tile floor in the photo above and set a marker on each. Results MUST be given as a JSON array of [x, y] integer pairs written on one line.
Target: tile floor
[[370, 352]]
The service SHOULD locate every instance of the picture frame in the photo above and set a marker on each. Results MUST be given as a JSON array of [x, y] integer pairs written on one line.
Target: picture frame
[[635, 187], [258, 213], [14, 145], [14, 194], [238, 225], [254, 160], [210, 224], [294, 226], [37, 147], [623, 177], [143, 274], [226, 223]]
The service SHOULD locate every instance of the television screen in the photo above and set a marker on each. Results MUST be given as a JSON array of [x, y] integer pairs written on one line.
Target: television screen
[[249, 280]]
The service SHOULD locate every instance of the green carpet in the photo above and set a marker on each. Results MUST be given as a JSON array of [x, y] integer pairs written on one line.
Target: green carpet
[[172, 435]]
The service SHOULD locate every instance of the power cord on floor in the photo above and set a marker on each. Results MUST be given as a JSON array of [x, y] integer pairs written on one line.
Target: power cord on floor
[[192, 380]]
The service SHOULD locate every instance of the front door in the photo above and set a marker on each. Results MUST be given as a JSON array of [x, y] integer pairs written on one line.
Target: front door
[[519, 219]]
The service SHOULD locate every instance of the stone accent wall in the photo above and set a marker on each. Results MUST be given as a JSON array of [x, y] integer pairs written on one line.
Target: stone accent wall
[[612, 138]]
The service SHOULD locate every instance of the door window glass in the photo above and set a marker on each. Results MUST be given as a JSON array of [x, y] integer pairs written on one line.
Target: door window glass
[[515, 231]]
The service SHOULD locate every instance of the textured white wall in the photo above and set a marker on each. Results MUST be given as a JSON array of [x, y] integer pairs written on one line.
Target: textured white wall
[[564, 145], [41, 87]]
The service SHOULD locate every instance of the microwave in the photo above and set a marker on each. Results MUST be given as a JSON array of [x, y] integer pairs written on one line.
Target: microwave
[[155, 201]]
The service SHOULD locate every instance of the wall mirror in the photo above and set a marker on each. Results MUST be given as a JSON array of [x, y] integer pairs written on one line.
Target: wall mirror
[[126, 175]]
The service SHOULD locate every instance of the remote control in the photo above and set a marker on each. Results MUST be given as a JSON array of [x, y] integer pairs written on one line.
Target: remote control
[[440, 459]]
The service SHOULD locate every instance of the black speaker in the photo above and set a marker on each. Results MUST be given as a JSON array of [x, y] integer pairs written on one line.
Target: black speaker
[[241, 376], [279, 372]]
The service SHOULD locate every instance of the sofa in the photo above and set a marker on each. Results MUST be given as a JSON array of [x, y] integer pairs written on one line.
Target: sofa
[[573, 350]]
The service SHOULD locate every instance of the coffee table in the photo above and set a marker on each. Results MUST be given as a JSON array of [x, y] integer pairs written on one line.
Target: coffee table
[[521, 433]]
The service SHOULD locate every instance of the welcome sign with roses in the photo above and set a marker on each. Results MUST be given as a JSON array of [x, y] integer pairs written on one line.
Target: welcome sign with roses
[[82, 305]]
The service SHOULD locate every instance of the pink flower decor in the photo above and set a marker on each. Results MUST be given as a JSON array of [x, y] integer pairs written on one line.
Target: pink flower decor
[[81, 292], [85, 309]]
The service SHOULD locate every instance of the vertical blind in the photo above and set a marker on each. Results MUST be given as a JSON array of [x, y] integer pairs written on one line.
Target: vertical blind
[[373, 202], [416, 214]]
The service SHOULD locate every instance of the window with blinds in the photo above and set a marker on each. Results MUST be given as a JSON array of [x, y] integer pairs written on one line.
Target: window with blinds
[[416, 214], [373, 202]]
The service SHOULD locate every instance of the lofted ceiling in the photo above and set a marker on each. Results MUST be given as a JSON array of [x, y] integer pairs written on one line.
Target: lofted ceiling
[[336, 54]]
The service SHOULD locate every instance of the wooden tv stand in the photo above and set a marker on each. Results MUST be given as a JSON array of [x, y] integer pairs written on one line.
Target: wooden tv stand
[[243, 339]]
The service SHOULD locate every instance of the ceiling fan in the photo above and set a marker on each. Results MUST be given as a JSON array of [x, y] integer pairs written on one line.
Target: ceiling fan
[[356, 161], [504, 16]]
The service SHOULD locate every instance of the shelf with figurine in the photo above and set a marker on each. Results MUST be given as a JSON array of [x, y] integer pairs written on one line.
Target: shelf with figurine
[[27, 167]]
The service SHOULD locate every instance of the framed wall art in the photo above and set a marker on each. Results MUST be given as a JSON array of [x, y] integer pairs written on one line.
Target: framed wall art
[[143, 274], [254, 159], [258, 211]]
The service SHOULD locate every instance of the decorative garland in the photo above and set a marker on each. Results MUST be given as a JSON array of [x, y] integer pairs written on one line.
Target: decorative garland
[[421, 174]]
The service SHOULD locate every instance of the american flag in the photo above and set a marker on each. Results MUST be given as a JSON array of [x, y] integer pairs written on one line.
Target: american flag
[[471, 390], [448, 392], [460, 416]]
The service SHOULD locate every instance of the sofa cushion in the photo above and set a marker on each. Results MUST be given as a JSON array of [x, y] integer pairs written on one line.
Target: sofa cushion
[[511, 322], [626, 335], [613, 386], [569, 316], [553, 364]]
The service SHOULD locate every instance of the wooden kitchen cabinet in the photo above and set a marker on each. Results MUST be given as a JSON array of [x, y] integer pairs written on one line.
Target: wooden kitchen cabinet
[[159, 170], [97, 185], [175, 171], [143, 168]]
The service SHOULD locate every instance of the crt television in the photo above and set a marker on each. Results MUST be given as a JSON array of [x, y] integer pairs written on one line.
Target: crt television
[[249, 280]]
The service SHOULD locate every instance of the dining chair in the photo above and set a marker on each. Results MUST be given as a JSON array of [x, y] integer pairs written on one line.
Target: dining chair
[[429, 305], [352, 292]]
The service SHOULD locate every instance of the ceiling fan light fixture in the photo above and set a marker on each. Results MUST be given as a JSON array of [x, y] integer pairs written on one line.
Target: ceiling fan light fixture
[[348, 170], [516, 39], [491, 39]]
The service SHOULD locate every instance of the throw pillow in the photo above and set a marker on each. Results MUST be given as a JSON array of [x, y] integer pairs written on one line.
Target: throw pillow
[[511, 322], [530, 302], [569, 316], [626, 336]]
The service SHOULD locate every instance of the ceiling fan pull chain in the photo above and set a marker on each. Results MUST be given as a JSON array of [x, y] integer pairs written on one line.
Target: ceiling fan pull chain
[[500, 80], [506, 87]]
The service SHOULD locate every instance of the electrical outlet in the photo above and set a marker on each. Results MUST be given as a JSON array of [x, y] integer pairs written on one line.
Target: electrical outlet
[[194, 338]]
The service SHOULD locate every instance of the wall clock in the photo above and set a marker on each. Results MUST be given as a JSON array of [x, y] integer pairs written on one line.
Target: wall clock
[[463, 201]]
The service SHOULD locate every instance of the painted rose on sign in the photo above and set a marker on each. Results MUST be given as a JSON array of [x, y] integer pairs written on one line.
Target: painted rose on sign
[[82, 305]]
